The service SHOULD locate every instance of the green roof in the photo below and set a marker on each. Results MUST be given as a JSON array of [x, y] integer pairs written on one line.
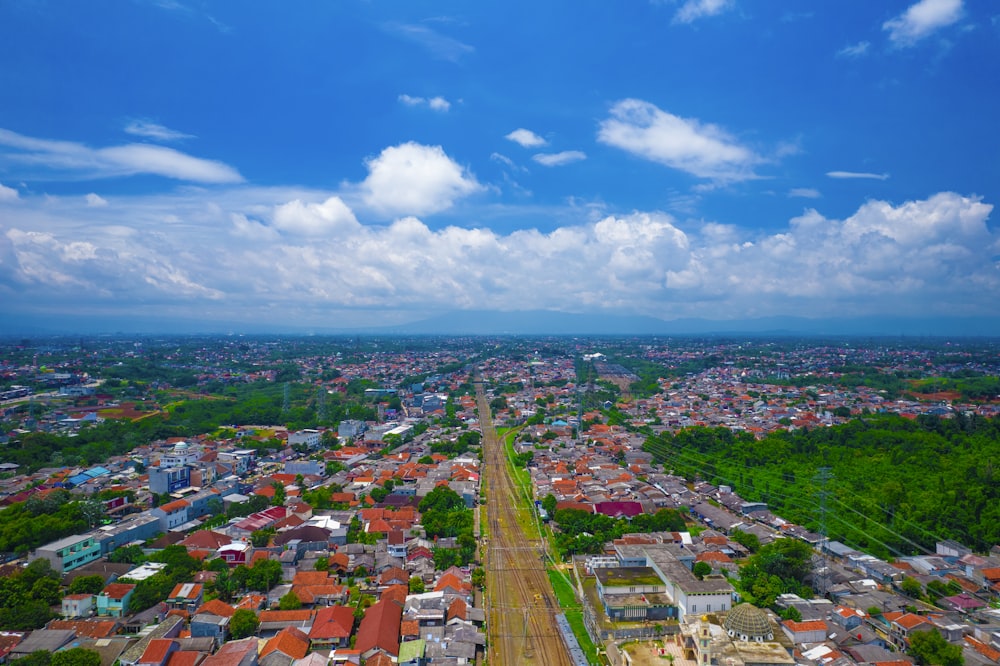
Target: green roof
[[412, 650]]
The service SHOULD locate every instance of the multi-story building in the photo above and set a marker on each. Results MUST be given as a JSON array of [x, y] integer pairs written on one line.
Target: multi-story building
[[69, 553]]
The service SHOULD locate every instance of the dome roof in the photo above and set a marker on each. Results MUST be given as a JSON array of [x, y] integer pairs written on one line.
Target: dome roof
[[748, 623], [180, 447]]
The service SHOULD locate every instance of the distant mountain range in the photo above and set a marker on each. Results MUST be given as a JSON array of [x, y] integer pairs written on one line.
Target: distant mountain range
[[541, 322]]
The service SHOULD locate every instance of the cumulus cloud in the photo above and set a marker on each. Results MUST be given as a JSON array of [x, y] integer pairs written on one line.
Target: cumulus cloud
[[854, 50], [413, 179], [857, 174], [525, 138], [433, 103], [254, 254], [559, 159], [701, 149], [921, 20], [804, 192], [95, 200], [77, 160], [692, 10], [312, 219], [7, 193], [151, 130]]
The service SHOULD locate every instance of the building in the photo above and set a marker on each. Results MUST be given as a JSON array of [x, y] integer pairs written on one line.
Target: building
[[172, 514], [70, 553], [113, 599], [164, 480], [308, 438], [744, 636]]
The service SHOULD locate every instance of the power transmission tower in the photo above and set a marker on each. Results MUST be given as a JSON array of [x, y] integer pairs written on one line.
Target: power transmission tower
[[321, 405], [286, 404]]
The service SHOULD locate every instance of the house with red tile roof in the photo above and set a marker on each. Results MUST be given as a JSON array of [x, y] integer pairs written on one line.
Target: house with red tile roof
[[290, 642], [90, 628], [812, 631], [234, 653], [113, 599], [332, 627], [379, 629], [158, 652]]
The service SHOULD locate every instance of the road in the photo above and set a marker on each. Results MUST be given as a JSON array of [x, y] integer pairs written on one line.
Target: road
[[520, 605]]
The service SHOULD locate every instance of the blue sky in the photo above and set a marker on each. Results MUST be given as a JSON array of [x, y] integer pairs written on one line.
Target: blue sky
[[362, 163]]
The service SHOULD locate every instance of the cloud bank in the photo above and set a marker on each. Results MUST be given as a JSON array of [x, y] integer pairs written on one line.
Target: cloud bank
[[246, 254]]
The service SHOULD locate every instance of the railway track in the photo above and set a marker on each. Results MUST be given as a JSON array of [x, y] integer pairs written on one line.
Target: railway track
[[520, 604]]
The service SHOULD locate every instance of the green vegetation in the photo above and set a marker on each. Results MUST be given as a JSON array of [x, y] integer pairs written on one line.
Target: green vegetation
[[779, 567], [897, 485], [462, 444], [585, 532], [931, 649], [444, 514], [574, 614], [26, 597]]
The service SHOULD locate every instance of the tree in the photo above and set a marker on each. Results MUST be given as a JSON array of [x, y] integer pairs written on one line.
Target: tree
[[76, 657], [279, 494], [322, 564], [746, 539], [37, 658], [701, 569], [911, 587], [243, 623], [46, 590], [260, 538], [128, 554], [87, 584], [931, 649], [549, 503], [791, 613], [416, 585], [289, 601], [479, 577], [263, 575]]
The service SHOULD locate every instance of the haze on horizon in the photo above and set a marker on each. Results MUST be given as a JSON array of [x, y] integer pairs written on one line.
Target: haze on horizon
[[351, 164]]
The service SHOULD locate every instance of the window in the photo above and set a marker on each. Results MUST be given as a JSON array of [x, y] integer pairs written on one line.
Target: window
[[694, 608]]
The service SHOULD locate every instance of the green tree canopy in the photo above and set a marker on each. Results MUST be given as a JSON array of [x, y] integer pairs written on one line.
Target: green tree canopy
[[243, 623], [931, 649]]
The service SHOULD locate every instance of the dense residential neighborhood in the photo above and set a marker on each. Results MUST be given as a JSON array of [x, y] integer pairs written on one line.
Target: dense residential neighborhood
[[358, 539]]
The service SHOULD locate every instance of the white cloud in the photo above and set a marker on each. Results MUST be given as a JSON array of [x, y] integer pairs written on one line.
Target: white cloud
[[854, 50], [805, 192], [559, 159], [921, 20], [322, 219], [151, 130], [692, 10], [75, 160], [439, 104], [857, 174], [7, 193], [276, 255], [438, 45], [526, 138], [703, 150], [433, 103], [95, 200], [413, 179]]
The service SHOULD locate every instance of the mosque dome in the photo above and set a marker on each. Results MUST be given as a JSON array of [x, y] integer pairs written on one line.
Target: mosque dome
[[181, 447], [746, 622]]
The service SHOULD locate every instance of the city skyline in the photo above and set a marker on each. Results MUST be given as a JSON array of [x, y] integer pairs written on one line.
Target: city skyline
[[348, 165]]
